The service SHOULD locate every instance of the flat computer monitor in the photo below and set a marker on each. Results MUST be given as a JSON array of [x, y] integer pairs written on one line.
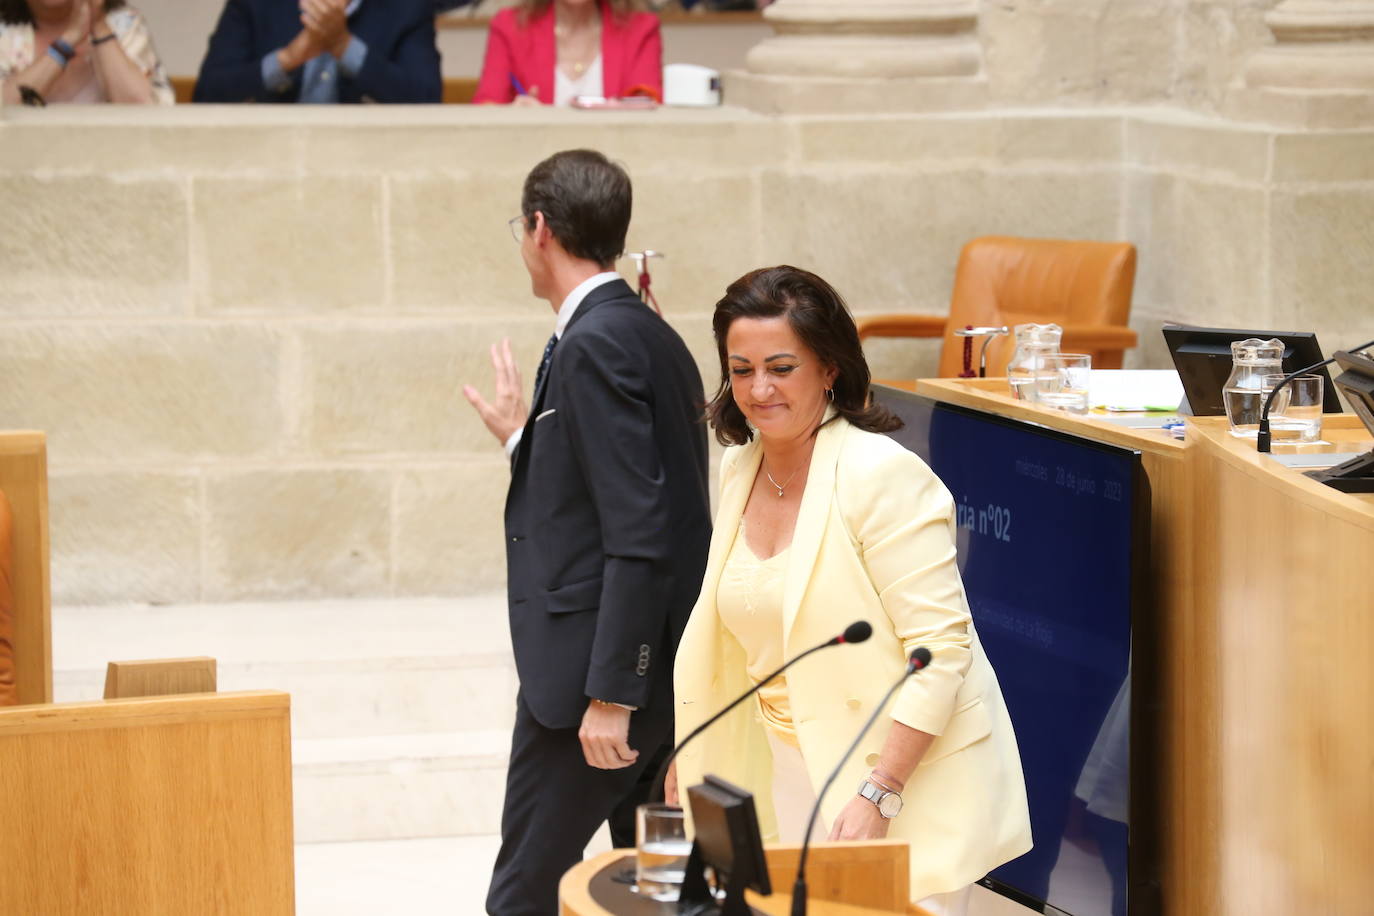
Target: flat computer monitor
[[1357, 381], [1203, 359], [729, 844]]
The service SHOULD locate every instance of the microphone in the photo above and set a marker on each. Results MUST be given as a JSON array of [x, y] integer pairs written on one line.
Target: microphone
[[856, 632], [920, 657], [1262, 441]]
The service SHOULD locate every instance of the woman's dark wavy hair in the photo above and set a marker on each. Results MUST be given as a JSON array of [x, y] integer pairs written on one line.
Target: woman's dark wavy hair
[[821, 320], [17, 12]]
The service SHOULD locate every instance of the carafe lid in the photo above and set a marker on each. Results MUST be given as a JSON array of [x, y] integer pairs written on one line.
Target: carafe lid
[[1254, 350], [1038, 334]]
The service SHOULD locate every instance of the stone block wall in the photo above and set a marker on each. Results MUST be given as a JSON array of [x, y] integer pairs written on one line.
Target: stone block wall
[[245, 330]]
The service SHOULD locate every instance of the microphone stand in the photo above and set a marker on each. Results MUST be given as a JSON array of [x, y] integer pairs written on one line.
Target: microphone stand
[[854, 633], [920, 657], [1263, 439]]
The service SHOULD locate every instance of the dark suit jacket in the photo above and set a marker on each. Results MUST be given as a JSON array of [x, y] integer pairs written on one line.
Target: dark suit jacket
[[608, 514], [402, 59]]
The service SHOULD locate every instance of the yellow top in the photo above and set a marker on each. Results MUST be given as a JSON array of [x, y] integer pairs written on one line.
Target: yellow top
[[750, 602]]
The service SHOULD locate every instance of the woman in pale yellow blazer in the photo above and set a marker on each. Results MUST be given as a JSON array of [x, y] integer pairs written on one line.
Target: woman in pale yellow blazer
[[822, 521]]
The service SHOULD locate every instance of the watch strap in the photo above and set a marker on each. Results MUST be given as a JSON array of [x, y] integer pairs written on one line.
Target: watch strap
[[876, 794]]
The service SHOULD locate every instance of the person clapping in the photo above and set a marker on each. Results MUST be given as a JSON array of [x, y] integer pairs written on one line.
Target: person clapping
[[82, 51], [322, 51]]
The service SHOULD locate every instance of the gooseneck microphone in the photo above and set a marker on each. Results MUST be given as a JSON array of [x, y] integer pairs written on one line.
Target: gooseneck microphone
[[920, 657], [1262, 441], [856, 632]]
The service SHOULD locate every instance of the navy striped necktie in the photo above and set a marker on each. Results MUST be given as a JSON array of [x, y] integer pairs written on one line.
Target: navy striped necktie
[[544, 362]]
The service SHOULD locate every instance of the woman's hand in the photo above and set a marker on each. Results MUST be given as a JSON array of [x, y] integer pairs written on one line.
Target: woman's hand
[[859, 820], [670, 786], [79, 22], [528, 100], [98, 10]]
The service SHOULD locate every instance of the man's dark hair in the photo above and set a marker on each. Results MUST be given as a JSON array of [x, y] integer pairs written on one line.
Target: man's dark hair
[[585, 199], [820, 319], [17, 12]]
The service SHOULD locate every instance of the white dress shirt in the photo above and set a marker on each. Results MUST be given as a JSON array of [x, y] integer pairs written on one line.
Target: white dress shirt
[[565, 313]]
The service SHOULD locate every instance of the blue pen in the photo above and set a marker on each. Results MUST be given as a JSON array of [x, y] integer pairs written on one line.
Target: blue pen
[[515, 83]]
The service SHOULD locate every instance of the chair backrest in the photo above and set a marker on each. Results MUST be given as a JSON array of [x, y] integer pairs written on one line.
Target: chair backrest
[[1002, 280]]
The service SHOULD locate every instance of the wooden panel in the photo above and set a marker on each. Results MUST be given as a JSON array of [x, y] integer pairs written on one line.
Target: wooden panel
[[183, 87], [871, 874], [457, 90], [24, 478], [1283, 575], [159, 677], [166, 806]]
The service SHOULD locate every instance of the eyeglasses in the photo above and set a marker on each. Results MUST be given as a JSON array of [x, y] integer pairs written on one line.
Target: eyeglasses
[[517, 227]]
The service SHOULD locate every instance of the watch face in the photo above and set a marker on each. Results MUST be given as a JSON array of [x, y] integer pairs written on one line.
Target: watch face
[[890, 806]]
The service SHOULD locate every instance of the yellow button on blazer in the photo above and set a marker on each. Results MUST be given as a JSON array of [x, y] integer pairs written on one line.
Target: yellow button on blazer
[[874, 541]]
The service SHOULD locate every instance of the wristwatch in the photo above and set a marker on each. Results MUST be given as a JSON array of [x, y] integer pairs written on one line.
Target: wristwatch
[[888, 803]]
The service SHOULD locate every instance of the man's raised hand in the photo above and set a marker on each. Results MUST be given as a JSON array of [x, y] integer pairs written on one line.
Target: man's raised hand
[[507, 410]]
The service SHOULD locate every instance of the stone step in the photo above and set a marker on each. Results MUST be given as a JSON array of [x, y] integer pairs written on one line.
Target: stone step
[[399, 786], [353, 668]]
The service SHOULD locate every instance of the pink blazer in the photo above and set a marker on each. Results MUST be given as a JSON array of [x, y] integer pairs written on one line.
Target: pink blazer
[[631, 55]]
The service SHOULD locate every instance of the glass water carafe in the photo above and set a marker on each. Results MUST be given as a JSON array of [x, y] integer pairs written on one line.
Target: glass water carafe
[[1243, 397], [1032, 342]]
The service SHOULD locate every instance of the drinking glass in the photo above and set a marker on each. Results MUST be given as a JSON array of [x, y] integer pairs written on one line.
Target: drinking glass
[[1296, 414], [1061, 380], [661, 851]]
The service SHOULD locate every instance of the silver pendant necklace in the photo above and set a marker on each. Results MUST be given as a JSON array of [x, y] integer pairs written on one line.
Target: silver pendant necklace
[[779, 486]]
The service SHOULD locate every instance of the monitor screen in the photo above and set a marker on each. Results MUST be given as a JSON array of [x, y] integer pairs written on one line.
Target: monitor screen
[[1357, 381], [1052, 540], [1203, 359]]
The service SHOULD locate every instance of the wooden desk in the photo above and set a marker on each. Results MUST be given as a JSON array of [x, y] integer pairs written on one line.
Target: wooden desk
[[873, 872], [1284, 582], [168, 805], [1265, 731]]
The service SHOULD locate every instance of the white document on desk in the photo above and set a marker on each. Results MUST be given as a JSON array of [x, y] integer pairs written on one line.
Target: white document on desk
[[1135, 389]]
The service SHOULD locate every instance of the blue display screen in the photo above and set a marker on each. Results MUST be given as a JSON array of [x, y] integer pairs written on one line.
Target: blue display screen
[[1051, 528]]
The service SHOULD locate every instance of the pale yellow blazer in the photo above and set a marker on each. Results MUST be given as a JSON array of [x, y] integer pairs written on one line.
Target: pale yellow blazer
[[874, 541]]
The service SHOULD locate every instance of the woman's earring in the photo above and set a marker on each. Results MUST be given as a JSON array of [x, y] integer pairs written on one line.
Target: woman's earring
[[830, 393]]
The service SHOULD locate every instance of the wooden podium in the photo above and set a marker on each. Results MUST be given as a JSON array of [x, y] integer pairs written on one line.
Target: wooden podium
[[1261, 675], [843, 879]]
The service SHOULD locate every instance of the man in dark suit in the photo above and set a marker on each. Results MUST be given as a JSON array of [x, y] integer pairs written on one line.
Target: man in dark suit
[[607, 524], [322, 51]]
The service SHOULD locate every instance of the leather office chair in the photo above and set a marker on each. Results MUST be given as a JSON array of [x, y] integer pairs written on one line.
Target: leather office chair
[[1084, 287]]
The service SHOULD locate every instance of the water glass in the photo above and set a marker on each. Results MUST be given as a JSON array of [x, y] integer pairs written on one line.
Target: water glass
[[661, 851], [1296, 414], [1061, 381]]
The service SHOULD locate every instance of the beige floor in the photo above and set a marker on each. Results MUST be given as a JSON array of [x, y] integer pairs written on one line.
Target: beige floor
[[444, 876]]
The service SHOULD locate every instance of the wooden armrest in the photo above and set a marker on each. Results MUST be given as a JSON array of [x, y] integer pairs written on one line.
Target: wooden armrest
[[902, 326], [1097, 337]]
